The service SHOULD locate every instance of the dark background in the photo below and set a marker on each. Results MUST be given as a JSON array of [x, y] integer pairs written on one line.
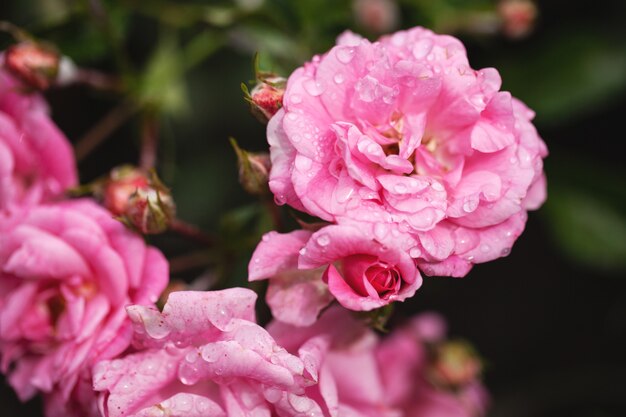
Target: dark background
[[549, 319]]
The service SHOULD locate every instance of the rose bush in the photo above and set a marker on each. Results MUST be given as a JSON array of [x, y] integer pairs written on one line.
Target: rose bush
[[67, 271], [204, 355], [404, 140], [36, 159]]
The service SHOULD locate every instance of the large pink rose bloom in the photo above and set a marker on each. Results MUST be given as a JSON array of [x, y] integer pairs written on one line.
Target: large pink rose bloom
[[36, 159], [66, 273], [306, 270], [404, 139], [204, 356]]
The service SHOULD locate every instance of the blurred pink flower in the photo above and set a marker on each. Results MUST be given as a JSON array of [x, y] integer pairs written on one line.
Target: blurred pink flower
[[66, 273], [365, 376], [36, 159], [204, 355], [404, 140], [360, 273], [350, 381], [412, 371]]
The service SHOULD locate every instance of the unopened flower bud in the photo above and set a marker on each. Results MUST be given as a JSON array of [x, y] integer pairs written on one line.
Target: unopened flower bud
[[377, 16], [36, 65], [122, 183], [454, 364], [138, 198], [518, 17], [266, 98], [150, 210], [254, 170]]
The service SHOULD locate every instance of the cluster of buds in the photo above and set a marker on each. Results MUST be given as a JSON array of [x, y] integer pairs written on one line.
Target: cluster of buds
[[39, 65], [453, 365], [138, 198]]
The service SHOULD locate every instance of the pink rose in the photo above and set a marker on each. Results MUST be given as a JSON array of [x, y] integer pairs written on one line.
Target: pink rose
[[36, 160], [350, 380], [204, 355], [404, 140], [66, 273], [361, 273], [425, 375]]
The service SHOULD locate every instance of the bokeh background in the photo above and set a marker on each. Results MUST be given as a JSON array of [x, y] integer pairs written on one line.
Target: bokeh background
[[549, 319]]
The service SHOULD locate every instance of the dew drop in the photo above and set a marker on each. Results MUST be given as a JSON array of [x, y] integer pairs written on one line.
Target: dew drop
[[339, 78], [485, 248], [323, 240], [202, 405], [184, 402], [313, 87], [191, 357], [291, 116], [345, 54], [469, 205], [302, 251], [437, 186], [303, 163], [422, 48], [400, 188], [273, 395], [296, 99], [513, 160], [505, 251], [415, 252], [265, 238], [381, 230]]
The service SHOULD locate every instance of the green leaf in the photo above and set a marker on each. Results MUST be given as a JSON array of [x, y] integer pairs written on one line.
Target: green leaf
[[589, 230], [162, 86]]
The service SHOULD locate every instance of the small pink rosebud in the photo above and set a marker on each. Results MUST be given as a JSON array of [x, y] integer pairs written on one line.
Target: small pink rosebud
[[266, 98], [150, 210], [254, 170], [378, 16], [138, 198], [36, 65], [122, 183], [454, 364], [518, 17]]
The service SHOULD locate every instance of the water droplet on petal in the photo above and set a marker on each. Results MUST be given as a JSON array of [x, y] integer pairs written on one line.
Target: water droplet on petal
[[422, 48], [513, 160], [302, 251], [295, 99], [192, 356], [314, 87], [265, 238], [470, 204], [400, 188], [415, 252], [437, 186], [505, 251], [381, 230], [303, 163], [202, 405], [345, 54], [323, 240], [485, 248], [338, 78]]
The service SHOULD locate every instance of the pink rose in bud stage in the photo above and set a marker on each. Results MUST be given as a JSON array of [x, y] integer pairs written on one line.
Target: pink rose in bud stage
[[361, 273], [350, 379], [36, 65], [404, 140], [36, 159], [266, 98], [411, 370], [377, 15], [518, 17], [66, 273], [204, 355], [121, 184]]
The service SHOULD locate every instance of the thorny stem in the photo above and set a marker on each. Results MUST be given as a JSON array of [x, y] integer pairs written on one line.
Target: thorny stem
[[103, 129], [190, 231]]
